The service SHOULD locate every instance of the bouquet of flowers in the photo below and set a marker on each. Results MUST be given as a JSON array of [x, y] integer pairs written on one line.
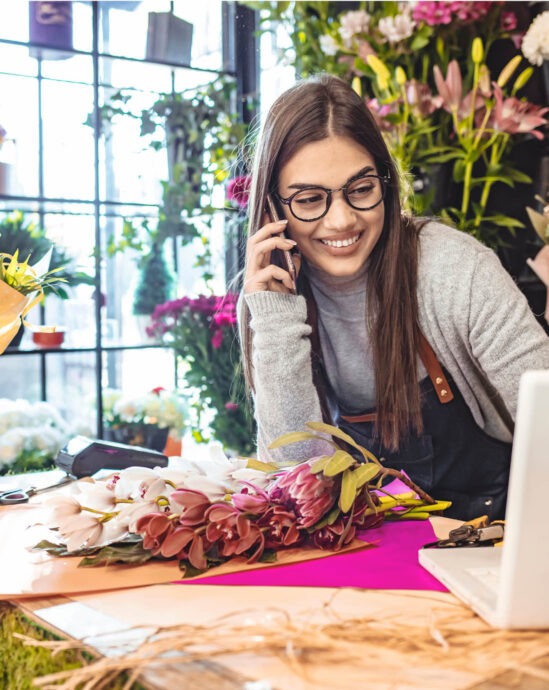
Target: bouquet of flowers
[[203, 514], [202, 331], [145, 420], [31, 435], [21, 288]]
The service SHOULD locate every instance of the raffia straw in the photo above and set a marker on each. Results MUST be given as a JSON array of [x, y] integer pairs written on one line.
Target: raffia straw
[[452, 639]]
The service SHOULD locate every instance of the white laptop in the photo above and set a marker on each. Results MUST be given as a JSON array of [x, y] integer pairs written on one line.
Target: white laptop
[[507, 585]]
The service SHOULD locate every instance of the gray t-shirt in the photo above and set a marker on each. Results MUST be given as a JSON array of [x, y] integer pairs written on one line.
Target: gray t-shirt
[[345, 341]]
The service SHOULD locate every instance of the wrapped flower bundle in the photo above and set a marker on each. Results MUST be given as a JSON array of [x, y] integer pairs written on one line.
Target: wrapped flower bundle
[[202, 514]]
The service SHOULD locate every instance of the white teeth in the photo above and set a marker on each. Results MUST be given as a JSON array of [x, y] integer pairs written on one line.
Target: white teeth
[[341, 243]]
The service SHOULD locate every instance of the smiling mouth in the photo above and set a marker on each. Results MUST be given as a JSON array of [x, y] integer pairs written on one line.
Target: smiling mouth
[[342, 243]]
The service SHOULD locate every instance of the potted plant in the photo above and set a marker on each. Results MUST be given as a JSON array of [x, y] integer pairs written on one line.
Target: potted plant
[[203, 332], [149, 420], [155, 283]]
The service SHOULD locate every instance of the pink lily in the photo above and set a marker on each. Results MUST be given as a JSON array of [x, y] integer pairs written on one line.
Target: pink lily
[[514, 116], [451, 88]]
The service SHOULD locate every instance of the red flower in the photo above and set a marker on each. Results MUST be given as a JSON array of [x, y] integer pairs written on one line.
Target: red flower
[[280, 528], [233, 532], [334, 536]]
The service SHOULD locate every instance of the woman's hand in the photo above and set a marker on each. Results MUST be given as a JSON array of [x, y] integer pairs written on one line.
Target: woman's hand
[[261, 275]]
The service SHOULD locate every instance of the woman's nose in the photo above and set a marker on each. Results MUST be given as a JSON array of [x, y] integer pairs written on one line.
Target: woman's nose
[[340, 214]]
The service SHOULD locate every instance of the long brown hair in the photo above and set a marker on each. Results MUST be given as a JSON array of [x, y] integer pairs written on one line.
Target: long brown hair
[[309, 111]]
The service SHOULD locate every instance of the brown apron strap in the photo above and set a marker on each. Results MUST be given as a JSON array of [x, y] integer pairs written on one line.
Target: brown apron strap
[[431, 363], [434, 370]]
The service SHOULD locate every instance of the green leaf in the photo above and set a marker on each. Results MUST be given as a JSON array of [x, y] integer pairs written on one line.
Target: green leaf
[[348, 490], [365, 473], [319, 464], [334, 431], [268, 556], [338, 463], [294, 437], [133, 554]]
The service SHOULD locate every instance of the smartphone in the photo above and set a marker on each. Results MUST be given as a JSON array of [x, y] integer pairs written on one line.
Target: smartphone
[[280, 257]]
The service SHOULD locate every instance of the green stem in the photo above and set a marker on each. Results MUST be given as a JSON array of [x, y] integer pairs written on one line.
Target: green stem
[[466, 187]]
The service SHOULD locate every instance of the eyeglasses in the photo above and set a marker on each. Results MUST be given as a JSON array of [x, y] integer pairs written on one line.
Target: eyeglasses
[[362, 193]]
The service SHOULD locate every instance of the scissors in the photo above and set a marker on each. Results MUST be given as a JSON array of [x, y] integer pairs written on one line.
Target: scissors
[[15, 496]]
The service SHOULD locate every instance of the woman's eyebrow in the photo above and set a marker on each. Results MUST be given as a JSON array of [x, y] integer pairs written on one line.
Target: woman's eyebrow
[[364, 171]]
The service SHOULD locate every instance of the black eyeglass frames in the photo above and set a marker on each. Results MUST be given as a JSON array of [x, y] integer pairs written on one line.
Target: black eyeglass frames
[[362, 193]]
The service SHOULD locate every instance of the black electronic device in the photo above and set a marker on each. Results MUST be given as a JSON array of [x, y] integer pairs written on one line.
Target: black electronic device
[[82, 457]]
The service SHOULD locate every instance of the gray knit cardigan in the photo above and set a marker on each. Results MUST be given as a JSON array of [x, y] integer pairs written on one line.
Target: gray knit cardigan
[[470, 310]]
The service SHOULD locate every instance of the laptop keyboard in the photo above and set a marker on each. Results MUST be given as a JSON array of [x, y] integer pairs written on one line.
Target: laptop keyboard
[[491, 577]]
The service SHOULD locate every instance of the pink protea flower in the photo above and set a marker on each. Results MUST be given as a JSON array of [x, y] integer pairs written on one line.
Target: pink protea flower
[[514, 116], [309, 495]]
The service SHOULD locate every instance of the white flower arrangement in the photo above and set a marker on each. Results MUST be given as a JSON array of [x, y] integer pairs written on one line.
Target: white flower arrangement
[[31, 435], [535, 44], [159, 407]]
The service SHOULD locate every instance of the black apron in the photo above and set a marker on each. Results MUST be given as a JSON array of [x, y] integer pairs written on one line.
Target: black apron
[[453, 459]]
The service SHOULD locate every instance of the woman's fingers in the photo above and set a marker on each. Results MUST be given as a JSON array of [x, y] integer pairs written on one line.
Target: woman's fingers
[[271, 278], [261, 274]]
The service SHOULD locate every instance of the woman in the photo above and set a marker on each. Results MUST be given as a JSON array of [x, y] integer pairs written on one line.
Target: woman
[[408, 335]]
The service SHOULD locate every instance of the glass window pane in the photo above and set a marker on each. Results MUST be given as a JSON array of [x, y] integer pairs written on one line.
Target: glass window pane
[[20, 377], [15, 59], [75, 68], [156, 367], [71, 385], [68, 142], [21, 125]]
